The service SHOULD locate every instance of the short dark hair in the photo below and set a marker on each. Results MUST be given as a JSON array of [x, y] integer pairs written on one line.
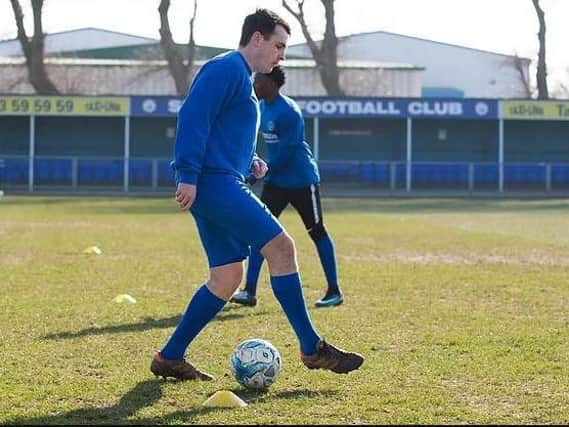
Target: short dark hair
[[264, 21], [277, 75]]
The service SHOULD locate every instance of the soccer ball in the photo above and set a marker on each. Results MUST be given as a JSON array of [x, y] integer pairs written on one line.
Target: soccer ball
[[255, 363]]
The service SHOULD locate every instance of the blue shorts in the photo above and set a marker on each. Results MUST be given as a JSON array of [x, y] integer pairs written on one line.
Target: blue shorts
[[231, 219]]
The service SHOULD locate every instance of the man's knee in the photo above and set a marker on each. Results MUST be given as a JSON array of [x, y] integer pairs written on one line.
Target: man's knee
[[280, 247], [318, 232], [280, 254]]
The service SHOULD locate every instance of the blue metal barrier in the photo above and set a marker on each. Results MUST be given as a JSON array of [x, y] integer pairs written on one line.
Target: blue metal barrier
[[560, 176], [375, 173], [140, 172], [53, 171], [486, 176], [165, 174], [16, 171], [524, 176], [152, 174], [95, 172]]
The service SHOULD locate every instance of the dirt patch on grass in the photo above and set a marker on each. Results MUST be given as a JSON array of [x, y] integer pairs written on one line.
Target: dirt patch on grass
[[14, 259], [533, 258]]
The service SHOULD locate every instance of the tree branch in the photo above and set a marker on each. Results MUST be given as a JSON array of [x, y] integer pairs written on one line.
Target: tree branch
[[542, 90], [178, 70], [325, 55], [34, 50], [22, 36], [316, 51], [191, 41], [519, 66]]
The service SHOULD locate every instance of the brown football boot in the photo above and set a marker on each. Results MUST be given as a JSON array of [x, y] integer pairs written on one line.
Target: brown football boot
[[335, 359], [179, 369]]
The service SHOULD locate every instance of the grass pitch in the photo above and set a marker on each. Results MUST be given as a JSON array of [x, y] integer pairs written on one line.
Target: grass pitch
[[460, 307]]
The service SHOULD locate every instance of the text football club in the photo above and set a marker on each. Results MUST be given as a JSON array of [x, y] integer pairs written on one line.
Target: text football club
[[399, 108], [351, 107]]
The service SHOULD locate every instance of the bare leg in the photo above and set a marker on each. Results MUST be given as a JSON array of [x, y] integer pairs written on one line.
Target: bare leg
[[224, 280], [280, 254]]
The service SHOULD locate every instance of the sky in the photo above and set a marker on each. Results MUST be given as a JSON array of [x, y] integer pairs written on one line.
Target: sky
[[502, 26]]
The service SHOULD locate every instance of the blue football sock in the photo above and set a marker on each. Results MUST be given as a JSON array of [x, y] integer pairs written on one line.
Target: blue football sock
[[202, 308], [288, 291], [253, 270], [325, 248]]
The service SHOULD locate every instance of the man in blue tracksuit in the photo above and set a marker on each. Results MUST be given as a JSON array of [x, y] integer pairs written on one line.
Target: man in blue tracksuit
[[214, 152], [292, 178]]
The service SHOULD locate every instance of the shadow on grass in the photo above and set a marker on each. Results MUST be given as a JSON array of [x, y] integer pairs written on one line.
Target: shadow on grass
[[143, 394], [102, 205], [249, 396], [411, 205], [151, 323], [147, 393], [164, 204]]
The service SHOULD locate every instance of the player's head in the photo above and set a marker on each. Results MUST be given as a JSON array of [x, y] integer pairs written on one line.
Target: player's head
[[267, 85], [264, 37]]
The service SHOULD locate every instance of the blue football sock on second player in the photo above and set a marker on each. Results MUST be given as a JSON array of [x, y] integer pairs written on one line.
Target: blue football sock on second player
[[254, 265], [288, 291], [202, 308], [325, 248]]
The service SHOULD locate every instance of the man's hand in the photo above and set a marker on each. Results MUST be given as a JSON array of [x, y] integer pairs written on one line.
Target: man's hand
[[259, 168], [185, 195]]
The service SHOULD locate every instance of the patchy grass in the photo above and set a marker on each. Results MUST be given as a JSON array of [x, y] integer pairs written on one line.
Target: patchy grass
[[460, 307]]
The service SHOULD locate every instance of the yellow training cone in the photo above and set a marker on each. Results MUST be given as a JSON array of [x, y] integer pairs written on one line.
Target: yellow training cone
[[93, 250], [124, 298], [224, 399]]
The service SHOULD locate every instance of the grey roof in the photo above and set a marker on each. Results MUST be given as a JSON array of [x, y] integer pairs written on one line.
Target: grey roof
[[79, 39], [297, 48], [289, 63], [354, 64]]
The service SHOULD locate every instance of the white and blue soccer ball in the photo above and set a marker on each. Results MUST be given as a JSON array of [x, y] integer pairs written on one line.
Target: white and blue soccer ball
[[256, 363]]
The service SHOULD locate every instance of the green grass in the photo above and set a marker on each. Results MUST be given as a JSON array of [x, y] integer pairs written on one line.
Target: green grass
[[460, 307]]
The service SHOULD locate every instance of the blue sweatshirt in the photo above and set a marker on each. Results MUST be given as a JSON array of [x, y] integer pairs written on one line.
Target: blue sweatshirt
[[218, 121], [290, 161]]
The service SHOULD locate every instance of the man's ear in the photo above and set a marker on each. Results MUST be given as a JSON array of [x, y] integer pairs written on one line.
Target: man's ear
[[257, 38]]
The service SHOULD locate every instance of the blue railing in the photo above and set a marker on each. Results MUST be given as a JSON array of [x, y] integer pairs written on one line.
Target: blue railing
[[75, 173]]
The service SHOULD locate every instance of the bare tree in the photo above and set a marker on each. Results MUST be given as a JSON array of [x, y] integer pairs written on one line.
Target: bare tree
[[542, 91], [325, 55], [561, 91], [179, 69], [520, 67], [34, 48]]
